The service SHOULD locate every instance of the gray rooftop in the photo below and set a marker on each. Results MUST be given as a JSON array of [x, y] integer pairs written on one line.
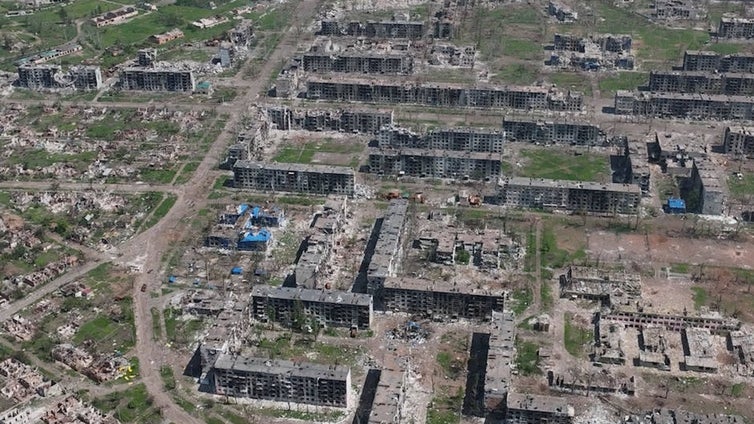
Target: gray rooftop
[[565, 184], [294, 167], [548, 404], [312, 295], [281, 367]]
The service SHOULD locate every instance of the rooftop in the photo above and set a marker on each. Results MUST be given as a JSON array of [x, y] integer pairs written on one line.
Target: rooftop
[[294, 167], [278, 367], [312, 295]]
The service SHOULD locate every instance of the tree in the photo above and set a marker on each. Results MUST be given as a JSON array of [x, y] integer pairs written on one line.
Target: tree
[[63, 14]]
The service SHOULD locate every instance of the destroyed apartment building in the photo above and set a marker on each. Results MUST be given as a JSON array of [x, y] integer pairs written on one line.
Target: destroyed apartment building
[[528, 408], [385, 260], [49, 55], [442, 94], [282, 381], [679, 416], [551, 132], [289, 306], [435, 163], [561, 12], [706, 61], [670, 10], [249, 144], [340, 120], [587, 383], [707, 192], [241, 35], [735, 27], [384, 29], [633, 166], [455, 139], [327, 56], [293, 178], [499, 358], [439, 299], [684, 105], [316, 249], [592, 53], [739, 140], [389, 397], [149, 75], [607, 288], [731, 84], [43, 76], [573, 196], [485, 250]]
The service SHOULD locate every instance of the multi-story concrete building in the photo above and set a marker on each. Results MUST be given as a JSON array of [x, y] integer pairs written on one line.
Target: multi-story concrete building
[[684, 105], [294, 178], [669, 10], [500, 360], [329, 57], [341, 120], [38, 77], [707, 61], [732, 84], [548, 132], [384, 29], [735, 27], [282, 381], [166, 78], [435, 163], [443, 94], [388, 250], [536, 409], [707, 191], [575, 196], [456, 139], [439, 299], [739, 140], [115, 17], [328, 308]]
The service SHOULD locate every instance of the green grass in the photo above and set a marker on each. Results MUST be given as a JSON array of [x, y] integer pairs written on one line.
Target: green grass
[[157, 176], [527, 359], [547, 163], [576, 338], [517, 74], [725, 48], [445, 408], [180, 331], [700, 296], [622, 81], [161, 210], [680, 268], [156, 328], [168, 379], [522, 49], [305, 416], [571, 81], [132, 405], [452, 367], [514, 31], [522, 298], [652, 42], [741, 188], [737, 389], [41, 158], [306, 153], [545, 292]]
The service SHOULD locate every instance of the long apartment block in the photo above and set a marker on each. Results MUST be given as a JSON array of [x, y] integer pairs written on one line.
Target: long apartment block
[[157, 79], [37, 77], [706, 61], [435, 163], [372, 29], [739, 140], [443, 95], [682, 105], [341, 120], [732, 84], [329, 308], [357, 62], [457, 139], [581, 197], [282, 381], [549, 132], [439, 299], [293, 178], [735, 27], [388, 250]]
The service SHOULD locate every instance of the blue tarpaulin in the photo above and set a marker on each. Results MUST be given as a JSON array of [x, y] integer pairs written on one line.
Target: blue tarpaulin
[[171, 279], [236, 270]]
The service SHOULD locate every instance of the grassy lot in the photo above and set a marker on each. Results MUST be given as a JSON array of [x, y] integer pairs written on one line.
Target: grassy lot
[[548, 163], [656, 45], [35, 159], [527, 359], [700, 296], [168, 379], [622, 81], [445, 408], [187, 172], [545, 291], [132, 405], [517, 73], [576, 338], [178, 330], [515, 31], [743, 188], [522, 298], [157, 176], [306, 153], [161, 211], [571, 81], [106, 328]]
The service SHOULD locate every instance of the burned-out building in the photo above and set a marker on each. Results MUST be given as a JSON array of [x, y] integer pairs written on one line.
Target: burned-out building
[[679, 416], [670, 10], [327, 56], [317, 247], [388, 249], [373, 29], [706, 191], [500, 361], [575, 196], [699, 352], [592, 53], [735, 27], [241, 35], [696, 60], [739, 140], [157, 78], [673, 322], [653, 348], [684, 105], [282, 381], [531, 409], [485, 250], [608, 288], [561, 11], [328, 308], [551, 132], [43, 76], [387, 406], [439, 299], [731, 84], [636, 165], [435, 163], [341, 120], [455, 139], [443, 94], [293, 178]]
